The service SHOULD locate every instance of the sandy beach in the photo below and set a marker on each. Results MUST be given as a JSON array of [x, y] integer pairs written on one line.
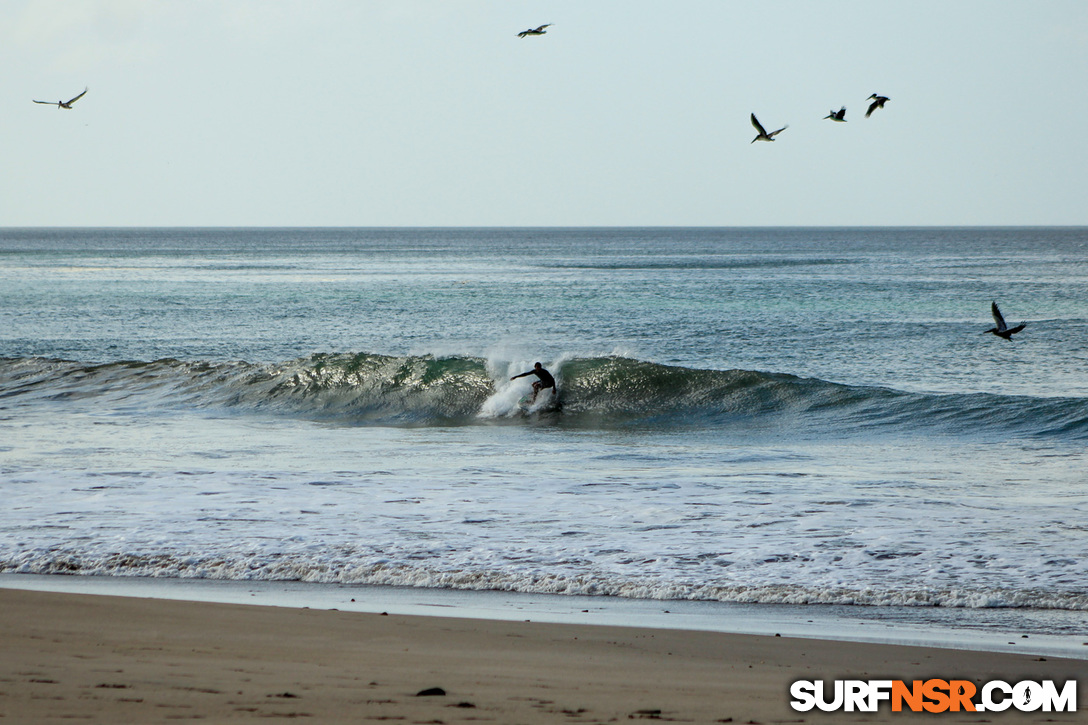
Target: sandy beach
[[117, 659]]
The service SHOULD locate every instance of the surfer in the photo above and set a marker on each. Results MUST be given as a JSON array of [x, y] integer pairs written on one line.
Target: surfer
[[545, 379]]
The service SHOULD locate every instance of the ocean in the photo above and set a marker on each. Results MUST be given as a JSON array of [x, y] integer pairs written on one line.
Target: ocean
[[772, 416]]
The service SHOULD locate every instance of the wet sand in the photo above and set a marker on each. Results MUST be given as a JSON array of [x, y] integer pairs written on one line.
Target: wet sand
[[77, 657]]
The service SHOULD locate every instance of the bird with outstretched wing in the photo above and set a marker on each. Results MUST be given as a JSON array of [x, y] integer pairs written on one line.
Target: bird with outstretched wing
[[763, 135], [877, 102], [64, 104], [1000, 328], [839, 115], [535, 31]]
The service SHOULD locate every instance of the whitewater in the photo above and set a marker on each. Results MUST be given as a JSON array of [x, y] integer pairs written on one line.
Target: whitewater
[[774, 416]]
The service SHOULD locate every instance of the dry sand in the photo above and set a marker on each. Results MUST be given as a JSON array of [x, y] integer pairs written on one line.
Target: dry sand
[[105, 659]]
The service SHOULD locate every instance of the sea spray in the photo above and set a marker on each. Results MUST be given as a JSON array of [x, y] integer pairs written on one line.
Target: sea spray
[[597, 393]]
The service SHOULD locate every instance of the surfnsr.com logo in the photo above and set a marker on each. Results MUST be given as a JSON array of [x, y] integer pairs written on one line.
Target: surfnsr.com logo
[[934, 695]]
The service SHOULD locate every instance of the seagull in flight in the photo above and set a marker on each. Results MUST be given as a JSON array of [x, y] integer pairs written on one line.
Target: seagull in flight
[[839, 115], [763, 135], [1001, 329], [877, 102], [64, 104], [535, 31]]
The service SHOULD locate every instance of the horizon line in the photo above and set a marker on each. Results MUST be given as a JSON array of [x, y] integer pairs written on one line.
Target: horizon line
[[549, 226]]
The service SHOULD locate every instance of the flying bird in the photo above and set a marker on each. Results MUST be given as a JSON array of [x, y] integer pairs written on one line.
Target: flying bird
[[64, 104], [1001, 329], [535, 31], [877, 102], [763, 135], [839, 115]]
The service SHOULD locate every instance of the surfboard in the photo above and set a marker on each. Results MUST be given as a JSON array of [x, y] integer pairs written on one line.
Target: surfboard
[[543, 404]]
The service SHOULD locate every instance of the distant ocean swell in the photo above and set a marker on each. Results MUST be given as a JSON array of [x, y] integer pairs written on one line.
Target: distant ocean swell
[[304, 569], [596, 393]]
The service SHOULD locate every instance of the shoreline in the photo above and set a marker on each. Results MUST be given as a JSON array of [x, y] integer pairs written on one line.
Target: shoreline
[[129, 659], [1033, 632]]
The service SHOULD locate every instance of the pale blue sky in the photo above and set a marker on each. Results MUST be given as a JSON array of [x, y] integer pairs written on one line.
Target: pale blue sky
[[628, 112]]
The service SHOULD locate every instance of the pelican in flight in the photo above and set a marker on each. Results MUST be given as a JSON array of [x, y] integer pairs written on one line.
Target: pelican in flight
[[877, 102], [839, 115], [64, 104], [763, 135], [1001, 329], [535, 31]]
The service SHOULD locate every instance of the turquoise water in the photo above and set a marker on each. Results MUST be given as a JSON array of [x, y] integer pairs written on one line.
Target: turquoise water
[[748, 415]]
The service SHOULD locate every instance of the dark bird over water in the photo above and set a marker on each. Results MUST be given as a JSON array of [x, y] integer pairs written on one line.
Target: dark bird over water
[[535, 31], [839, 115], [64, 104], [763, 135], [877, 102], [1001, 329]]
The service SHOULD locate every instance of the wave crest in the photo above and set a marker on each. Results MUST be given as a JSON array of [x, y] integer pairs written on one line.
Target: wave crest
[[597, 392]]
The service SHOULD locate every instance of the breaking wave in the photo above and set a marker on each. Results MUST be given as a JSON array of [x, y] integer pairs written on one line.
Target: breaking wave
[[595, 393], [303, 569]]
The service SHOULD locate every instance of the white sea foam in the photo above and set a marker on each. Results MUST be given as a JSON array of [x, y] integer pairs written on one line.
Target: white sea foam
[[505, 402], [524, 509], [787, 416]]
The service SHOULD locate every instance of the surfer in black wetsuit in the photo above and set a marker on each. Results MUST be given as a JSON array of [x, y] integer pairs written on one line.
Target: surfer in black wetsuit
[[545, 379]]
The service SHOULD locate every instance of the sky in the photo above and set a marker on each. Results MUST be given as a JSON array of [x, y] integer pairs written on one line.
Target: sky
[[626, 113]]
